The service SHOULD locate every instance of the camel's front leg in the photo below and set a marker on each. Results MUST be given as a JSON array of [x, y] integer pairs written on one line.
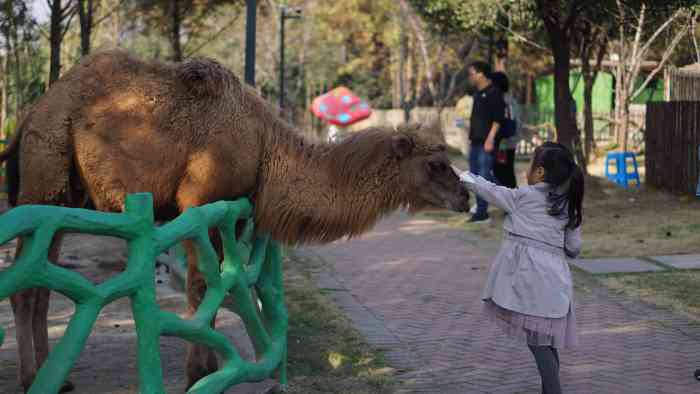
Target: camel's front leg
[[40, 330], [23, 308], [201, 360]]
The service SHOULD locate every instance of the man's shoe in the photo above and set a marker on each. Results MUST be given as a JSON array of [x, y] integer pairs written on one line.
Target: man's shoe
[[473, 209], [480, 219]]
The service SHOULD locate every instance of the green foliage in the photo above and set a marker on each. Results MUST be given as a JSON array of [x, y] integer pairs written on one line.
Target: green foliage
[[26, 58], [455, 16], [358, 35], [10, 124]]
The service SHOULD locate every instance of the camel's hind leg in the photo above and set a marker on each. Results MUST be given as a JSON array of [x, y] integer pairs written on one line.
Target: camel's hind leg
[[201, 360], [41, 314], [41, 310], [31, 308]]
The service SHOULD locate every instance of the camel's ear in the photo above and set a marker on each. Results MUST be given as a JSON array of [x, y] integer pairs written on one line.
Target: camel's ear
[[402, 146]]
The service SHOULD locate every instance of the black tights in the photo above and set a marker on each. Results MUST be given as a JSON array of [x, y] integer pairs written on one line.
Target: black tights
[[547, 359]]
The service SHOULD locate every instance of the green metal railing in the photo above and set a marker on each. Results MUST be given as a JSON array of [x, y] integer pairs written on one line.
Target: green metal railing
[[249, 262]]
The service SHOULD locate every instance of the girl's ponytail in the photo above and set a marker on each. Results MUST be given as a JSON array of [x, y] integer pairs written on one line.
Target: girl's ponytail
[[575, 197]]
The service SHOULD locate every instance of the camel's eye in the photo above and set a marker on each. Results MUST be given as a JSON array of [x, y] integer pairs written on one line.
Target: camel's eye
[[438, 166]]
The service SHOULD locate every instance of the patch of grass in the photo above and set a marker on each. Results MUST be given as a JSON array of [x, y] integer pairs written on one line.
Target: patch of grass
[[619, 222], [677, 290], [326, 354]]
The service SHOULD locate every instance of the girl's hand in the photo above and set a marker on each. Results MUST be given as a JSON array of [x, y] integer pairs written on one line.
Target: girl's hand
[[464, 176]]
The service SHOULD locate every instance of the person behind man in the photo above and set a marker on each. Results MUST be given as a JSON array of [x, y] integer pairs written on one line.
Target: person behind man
[[504, 168], [488, 111]]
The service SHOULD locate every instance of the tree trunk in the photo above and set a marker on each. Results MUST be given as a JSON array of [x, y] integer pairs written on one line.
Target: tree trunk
[[12, 47], [56, 36], [558, 26], [3, 95], [489, 51], [420, 35], [85, 10], [625, 124], [176, 21], [564, 120], [403, 56], [588, 127]]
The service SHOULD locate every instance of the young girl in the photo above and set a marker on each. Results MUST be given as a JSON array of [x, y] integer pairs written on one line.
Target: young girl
[[529, 291]]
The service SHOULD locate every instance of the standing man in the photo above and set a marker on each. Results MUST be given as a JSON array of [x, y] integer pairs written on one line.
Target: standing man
[[504, 166], [488, 111]]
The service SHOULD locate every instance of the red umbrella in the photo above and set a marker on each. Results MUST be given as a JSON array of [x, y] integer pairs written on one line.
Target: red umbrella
[[340, 107]]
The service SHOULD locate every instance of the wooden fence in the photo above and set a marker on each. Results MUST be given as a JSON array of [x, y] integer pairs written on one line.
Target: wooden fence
[[682, 85], [672, 140]]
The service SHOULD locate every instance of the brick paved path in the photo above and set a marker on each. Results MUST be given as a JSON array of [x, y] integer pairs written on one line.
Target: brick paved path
[[413, 287]]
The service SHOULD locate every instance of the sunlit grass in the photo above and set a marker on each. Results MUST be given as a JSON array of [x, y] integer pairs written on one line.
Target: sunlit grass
[[326, 354]]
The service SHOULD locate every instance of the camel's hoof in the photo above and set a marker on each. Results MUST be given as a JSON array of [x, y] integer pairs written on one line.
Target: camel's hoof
[[68, 386]]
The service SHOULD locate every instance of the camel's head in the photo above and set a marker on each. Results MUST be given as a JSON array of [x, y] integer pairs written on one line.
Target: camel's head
[[426, 175]]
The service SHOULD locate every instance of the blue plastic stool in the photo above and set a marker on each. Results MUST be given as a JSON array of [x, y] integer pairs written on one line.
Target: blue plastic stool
[[622, 176]]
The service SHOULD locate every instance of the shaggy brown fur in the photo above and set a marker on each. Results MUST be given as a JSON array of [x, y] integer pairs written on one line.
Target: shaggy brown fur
[[191, 134]]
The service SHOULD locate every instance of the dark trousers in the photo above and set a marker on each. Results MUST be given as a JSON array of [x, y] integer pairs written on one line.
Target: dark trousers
[[547, 359], [505, 172], [481, 163]]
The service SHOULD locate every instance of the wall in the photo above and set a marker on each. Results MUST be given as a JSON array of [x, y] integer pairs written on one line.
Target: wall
[[454, 137]]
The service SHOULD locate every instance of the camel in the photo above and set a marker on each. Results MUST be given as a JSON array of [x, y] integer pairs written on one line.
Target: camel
[[191, 133]]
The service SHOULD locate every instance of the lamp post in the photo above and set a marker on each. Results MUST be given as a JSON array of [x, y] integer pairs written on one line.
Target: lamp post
[[251, 8], [285, 13]]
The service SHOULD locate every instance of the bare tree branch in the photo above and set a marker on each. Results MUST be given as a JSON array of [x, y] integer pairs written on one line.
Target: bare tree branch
[[667, 54], [212, 38], [109, 13], [63, 10], [518, 36], [636, 56], [638, 33], [693, 34], [574, 10], [420, 35], [69, 16], [676, 15], [522, 38]]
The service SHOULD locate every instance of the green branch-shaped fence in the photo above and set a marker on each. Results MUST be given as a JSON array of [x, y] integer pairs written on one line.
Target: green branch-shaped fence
[[249, 262]]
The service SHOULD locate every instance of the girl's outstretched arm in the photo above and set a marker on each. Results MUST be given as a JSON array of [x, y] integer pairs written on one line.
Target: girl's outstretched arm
[[499, 196]]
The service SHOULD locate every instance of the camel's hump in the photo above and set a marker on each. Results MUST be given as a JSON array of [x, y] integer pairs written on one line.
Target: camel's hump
[[206, 77], [203, 77]]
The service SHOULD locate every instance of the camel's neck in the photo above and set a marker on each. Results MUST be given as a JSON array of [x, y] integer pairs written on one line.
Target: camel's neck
[[320, 193]]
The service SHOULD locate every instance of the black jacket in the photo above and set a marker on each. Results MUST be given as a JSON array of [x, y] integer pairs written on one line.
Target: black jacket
[[489, 107]]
